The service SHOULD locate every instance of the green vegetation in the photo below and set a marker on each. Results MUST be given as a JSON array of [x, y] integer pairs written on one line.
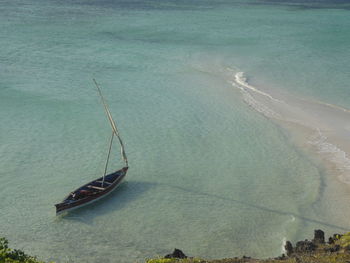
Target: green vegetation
[[8, 255], [336, 251], [344, 240], [306, 258]]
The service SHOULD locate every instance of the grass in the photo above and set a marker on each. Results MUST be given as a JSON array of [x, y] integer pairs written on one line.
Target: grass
[[338, 252], [8, 255]]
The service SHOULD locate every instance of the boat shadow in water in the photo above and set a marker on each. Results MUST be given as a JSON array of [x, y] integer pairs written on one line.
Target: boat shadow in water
[[127, 192]]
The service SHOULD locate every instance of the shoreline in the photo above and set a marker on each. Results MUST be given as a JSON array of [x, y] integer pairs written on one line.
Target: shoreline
[[318, 130], [314, 125], [318, 250]]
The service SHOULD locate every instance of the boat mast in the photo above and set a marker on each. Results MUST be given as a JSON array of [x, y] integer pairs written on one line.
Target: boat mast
[[109, 153], [114, 126]]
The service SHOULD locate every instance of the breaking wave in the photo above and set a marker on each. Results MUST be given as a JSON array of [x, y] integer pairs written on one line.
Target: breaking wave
[[240, 82], [316, 117], [337, 156], [291, 220]]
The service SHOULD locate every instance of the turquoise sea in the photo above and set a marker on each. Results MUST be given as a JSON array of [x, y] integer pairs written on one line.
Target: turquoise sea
[[235, 117]]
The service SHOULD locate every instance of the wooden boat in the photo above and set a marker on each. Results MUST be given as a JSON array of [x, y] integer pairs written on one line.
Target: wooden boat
[[101, 186]]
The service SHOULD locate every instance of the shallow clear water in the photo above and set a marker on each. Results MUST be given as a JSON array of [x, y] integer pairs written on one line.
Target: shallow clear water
[[208, 172]]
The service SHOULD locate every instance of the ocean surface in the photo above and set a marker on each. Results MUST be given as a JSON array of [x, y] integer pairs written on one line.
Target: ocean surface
[[235, 117]]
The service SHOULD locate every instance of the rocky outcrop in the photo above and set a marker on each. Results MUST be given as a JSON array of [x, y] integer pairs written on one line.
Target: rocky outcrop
[[337, 250], [318, 237], [305, 246], [177, 253], [332, 249], [289, 248]]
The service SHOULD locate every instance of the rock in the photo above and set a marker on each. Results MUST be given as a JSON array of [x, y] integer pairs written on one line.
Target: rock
[[305, 246], [289, 248], [318, 237], [176, 254], [283, 257], [336, 248], [330, 240]]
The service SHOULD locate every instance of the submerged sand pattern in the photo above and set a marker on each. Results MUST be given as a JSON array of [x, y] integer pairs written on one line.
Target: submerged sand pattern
[[321, 125]]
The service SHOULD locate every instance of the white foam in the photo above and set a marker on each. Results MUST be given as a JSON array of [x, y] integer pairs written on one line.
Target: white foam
[[308, 114], [284, 239], [337, 156], [258, 106], [242, 85], [241, 79], [283, 249]]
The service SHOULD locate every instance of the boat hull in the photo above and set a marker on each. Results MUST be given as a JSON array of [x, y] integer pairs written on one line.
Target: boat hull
[[93, 191]]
